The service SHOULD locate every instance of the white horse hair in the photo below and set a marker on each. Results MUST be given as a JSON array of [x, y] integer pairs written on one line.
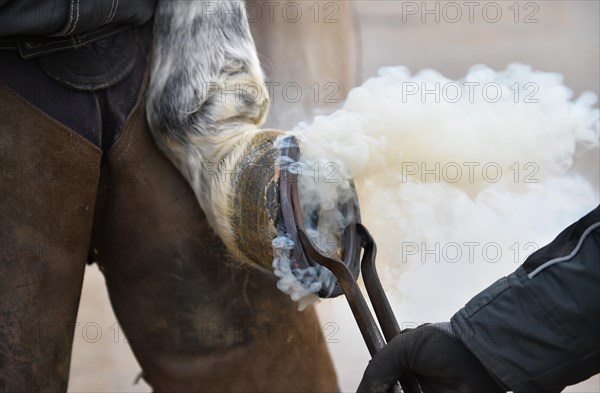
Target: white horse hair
[[206, 98]]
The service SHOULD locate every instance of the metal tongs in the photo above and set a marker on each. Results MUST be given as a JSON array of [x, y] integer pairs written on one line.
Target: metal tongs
[[346, 271], [366, 323]]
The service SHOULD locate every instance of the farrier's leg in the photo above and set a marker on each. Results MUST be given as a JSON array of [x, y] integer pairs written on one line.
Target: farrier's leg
[[310, 52], [49, 177]]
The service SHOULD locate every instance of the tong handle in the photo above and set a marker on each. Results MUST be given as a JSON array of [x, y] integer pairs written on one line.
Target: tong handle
[[379, 301], [364, 319], [377, 296]]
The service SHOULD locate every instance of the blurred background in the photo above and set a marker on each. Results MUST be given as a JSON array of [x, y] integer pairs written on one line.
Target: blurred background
[[557, 36]]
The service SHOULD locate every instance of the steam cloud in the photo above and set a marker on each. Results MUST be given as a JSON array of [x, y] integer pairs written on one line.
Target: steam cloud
[[458, 180]]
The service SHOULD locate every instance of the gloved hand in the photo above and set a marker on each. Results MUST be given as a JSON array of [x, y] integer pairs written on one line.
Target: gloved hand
[[435, 356]]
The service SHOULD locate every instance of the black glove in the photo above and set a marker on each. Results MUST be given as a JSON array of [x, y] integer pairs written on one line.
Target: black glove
[[435, 356]]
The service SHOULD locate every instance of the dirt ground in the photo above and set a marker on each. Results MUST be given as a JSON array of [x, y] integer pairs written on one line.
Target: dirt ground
[[562, 36]]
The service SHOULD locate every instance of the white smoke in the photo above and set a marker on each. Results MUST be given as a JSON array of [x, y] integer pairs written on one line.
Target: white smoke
[[463, 177]]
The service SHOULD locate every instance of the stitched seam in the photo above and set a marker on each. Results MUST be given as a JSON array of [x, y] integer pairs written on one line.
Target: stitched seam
[[109, 18], [116, 8], [41, 115], [115, 11], [111, 81], [124, 67], [130, 134], [104, 85], [67, 27], [554, 261], [85, 35], [54, 46], [41, 52], [76, 20]]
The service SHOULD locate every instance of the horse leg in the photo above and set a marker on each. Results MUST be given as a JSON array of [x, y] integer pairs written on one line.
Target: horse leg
[[195, 318]]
